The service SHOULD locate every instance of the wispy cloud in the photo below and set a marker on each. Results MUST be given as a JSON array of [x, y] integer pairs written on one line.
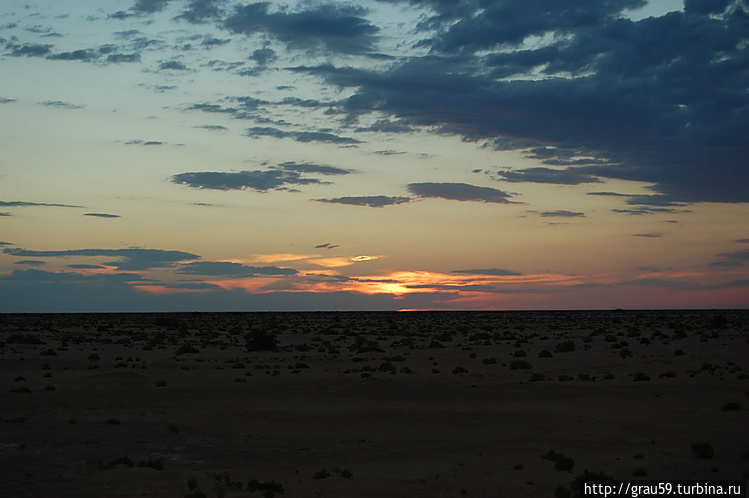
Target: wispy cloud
[[459, 192], [30, 204], [144, 142], [301, 136], [561, 213], [131, 259], [225, 268], [102, 215], [29, 49], [30, 262], [61, 104], [274, 178], [568, 176], [733, 259], [375, 201], [499, 272]]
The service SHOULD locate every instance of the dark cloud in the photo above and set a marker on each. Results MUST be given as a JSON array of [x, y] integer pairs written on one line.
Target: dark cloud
[[489, 271], [323, 169], [4, 100], [205, 107], [332, 27], [484, 25], [733, 259], [387, 126], [645, 204], [86, 267], [131, 259], [246, 107], [140, 8], [29, 50], [561, 213], [743, 241], [300, 136], [61, 104], [5, 213], [264, 56], [309, 103], [173, 66], [149, 6], [144, 142], [75, 55], [198, 11], [39, 29], [388, 152], [213, 127], [661, 100], [127, 34], [375, 201], [30, 204], [653, 200], [212, 41], [30, 262], [327, 246], [42, 291], [102, 215], [459, 192], [648, 235], [568, 176], [639, 211], [123, 58], [228, 269], [41, 276], [2, 243], [274, 178]]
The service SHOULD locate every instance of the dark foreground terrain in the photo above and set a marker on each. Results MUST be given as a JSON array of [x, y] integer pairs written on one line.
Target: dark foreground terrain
[[368, 404]]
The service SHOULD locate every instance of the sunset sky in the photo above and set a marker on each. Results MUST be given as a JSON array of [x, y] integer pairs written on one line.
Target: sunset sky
[[210, 155]]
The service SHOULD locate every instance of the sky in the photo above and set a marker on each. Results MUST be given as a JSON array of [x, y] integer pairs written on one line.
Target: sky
[[214, 155]]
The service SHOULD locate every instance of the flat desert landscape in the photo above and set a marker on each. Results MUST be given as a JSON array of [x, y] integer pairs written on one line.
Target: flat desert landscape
[[370, 404]]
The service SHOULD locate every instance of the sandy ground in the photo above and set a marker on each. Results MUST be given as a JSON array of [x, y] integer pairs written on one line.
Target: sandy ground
[[367, 404]]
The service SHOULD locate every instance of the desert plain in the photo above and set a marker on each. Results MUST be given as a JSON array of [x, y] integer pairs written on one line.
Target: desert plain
[[369, 404]]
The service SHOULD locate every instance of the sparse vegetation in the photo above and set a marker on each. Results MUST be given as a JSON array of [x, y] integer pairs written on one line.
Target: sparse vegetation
[[486, 361], [640, 377], [561, 461], [153, 463], [703, 450], [520, 365], [261, 340], [730, 406]]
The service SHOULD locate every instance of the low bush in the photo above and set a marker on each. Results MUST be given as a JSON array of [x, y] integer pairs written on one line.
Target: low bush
[[703, 450], [520, 365], [261, 340], [640, 377], [730, 406], [153, 463], [565, 347]]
